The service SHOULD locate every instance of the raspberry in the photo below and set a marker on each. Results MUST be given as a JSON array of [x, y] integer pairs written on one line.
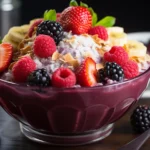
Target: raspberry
[[130, 69], [58, 17], [100, 31], [116, 54], [22, 68], [63, 77], [44, 46]]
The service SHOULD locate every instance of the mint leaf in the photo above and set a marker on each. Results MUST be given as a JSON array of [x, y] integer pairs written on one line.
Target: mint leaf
[[0, 41], [45, 15], [83, 4], [50, 15], [73, 3], [94, 16], [107, 21]]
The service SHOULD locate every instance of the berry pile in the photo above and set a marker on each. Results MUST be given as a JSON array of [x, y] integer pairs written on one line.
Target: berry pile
[[44, 45], [120, 56]]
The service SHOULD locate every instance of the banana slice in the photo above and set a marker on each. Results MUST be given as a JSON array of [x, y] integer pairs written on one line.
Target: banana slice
[[115, 29], [16, 34], [7, 39], [135, 48], [117, 36], [25, 29]]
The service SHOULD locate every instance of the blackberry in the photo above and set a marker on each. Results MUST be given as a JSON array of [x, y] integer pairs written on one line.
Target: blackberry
[[111, 71], [140, 118], [39, 77], [51, 28]]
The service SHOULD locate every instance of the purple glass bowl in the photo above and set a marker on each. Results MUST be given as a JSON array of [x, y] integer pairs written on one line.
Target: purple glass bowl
[[70, 116]]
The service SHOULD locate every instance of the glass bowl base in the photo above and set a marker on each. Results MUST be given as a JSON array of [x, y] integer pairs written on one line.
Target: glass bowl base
[[66, 140]]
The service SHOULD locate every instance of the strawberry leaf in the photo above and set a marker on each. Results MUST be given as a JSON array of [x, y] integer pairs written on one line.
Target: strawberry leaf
[[0, 41], [83, 4], [94, 16], [107, 21], [50, 15], [73, 3]]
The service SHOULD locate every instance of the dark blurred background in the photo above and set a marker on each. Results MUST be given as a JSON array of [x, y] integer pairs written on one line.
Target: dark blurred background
[[130, 14]]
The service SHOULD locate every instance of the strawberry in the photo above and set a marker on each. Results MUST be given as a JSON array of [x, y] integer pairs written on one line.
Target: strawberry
[[33, 26], [6, 50], [86, 72], [77, 19]]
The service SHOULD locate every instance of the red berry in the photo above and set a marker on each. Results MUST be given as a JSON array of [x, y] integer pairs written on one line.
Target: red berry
[[58, 17], [63, 77], [44, 46], [6, 50], [130, 69], [22, 68], [86, 72], [33, 26], [76, 19], [100, 31], [116, 54]]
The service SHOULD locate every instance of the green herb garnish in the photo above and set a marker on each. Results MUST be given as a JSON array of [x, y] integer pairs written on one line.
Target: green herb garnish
[[50, 15], [107, 21]]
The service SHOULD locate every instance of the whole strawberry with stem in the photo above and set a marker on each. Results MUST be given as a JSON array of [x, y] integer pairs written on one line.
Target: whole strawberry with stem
[[77, 19]]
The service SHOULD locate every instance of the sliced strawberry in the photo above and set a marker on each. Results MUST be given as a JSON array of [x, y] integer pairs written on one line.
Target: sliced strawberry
[[86, 73], [33, 26], [5, 55]]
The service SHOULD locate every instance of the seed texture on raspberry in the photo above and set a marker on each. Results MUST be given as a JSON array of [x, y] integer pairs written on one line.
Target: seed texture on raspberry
[[116, 54], [63, 77], [22, 68], [130, 69], [100, 31], [44, 46]]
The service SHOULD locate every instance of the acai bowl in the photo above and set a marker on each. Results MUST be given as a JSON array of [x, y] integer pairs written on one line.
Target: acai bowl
[[67, 82]]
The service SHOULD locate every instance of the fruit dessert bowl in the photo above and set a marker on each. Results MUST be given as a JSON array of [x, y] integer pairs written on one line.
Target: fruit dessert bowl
[[67, 77], [71, 116]]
